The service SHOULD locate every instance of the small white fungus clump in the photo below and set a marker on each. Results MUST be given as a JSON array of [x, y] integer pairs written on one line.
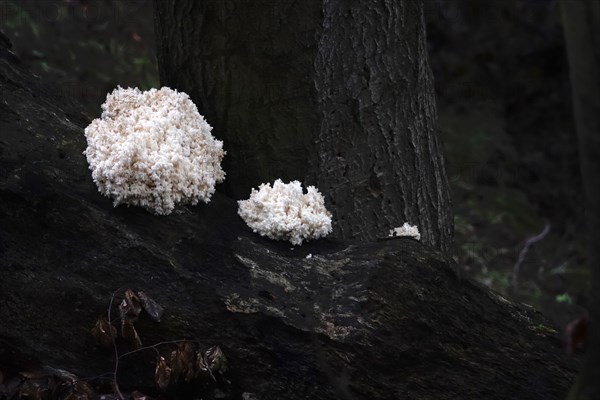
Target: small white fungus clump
[[284, 212], [153, 149], [406, 230]]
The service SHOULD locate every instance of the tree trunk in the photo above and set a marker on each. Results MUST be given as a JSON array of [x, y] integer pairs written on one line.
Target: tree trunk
[[581, 20], [333, 93]]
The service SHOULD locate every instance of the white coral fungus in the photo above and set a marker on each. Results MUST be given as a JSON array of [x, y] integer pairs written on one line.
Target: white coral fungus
[[406, 230], [153, 149], [284, 212]]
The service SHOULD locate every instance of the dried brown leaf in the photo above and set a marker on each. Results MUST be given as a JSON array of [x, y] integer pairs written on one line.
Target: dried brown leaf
[[216, 360], [77, 396], [56, 386], [60, 381], [10, 387], [123, 312], [32, 390], [162, 374], [129, 333], [133, 302], [182, 362], [131, 306], [576, 334], [202, 370], [103, 332], [85, 388], [154, 310], [135, 395]]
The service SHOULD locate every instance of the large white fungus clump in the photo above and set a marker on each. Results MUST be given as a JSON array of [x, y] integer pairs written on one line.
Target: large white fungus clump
[[153, 149], [284, 212]]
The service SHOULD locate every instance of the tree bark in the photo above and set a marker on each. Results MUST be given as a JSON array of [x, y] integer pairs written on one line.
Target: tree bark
[[581, 20], [333, 93]]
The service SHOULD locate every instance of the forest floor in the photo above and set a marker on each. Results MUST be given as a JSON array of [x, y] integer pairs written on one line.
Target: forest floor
[[504, 114]]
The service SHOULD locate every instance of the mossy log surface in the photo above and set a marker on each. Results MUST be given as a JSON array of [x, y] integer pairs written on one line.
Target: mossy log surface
[[392, 319]]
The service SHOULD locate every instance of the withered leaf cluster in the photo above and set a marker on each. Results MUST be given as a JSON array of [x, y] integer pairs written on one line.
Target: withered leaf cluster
[[186, 364], [129, 311], [46, 383]]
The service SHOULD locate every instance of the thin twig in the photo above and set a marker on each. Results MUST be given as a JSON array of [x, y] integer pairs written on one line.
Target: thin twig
[[116, 385], [155, 345], [528, 243], [91, 378], [118, 357]]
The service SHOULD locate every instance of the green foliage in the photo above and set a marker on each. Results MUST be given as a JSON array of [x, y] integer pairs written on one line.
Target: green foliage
[[564, 298], [86, 48], [504, 113]]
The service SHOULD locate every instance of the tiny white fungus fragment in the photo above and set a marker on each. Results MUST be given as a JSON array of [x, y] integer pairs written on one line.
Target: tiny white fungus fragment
[[406, 230]]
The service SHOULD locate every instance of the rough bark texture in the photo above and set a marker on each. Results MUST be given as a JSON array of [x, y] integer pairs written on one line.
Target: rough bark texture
[[382, 320], [582, 31], [333, 93]]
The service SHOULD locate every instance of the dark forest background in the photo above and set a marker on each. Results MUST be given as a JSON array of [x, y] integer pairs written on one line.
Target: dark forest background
[[503, 97]]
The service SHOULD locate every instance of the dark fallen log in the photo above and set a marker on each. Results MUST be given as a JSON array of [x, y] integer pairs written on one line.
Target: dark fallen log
[[386, 320]]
